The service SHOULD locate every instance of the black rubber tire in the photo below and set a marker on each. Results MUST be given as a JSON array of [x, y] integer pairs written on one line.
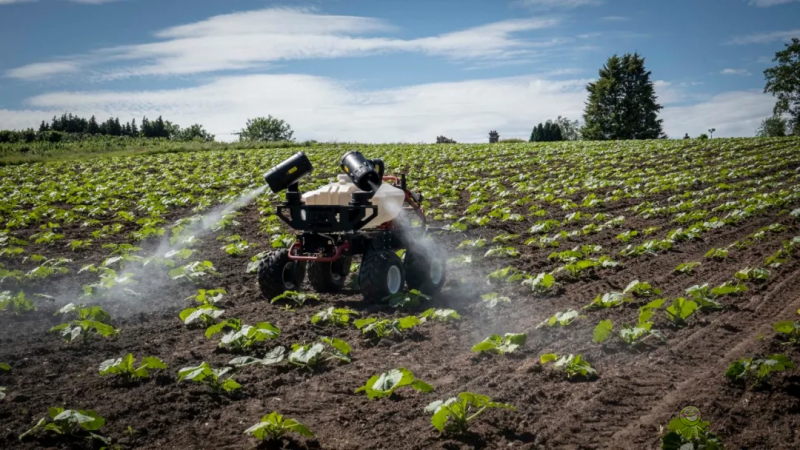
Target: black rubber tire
[[373, 276], [278, 274], [329, 277], [418, 260]]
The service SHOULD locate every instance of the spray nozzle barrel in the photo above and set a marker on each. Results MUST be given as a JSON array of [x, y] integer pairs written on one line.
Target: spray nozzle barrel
[[366, 174], [288, 172]]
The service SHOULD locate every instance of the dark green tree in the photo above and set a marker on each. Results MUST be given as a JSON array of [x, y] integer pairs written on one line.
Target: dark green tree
[[622, 103], [783, 81], [93, 127], [547, 132], [775, 126], [266, 129]]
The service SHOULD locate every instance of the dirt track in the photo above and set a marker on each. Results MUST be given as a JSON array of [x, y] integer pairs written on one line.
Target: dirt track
[[637, 390]]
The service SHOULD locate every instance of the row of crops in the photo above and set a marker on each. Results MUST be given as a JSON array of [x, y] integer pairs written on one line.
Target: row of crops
[[531, 222]]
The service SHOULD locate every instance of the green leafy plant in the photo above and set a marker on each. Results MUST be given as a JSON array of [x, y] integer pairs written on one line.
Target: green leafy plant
[[572, 365], [561, 319], [608, 300], [86, 320], [213, 378], [680, 310], [508, 274], [299, 298], [757, 275], [501, 252], [789, 328], [69, 422], [241, 337], [208, 296], [632, 335], [335, 316], [442, 315], [273, 356], [385, 384], [717, 253], [18, 304], [236, 245], [641, 289], [411, 299], [194, 272], [309, 355], [381, 328], [758, 371], [543, 283], [125, 367], [203, 316], [493, 299], [273, 426], [456, 413], [686, 267], [508, 343], [681, 436]]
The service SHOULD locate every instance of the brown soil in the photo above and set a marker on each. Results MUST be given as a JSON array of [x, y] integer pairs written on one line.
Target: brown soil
[[637, 392]]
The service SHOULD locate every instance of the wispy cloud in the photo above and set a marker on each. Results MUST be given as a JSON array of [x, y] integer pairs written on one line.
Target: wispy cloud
[[552, 4], [767, 3], [615, 19], [763, 38], [38, 71], [260, 38], [88, 2], [739, 72]]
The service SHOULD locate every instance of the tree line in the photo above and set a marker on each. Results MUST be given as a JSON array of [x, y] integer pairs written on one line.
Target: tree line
[[68, 125]]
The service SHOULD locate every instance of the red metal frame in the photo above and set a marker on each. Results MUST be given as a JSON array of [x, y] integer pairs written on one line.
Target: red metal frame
[[295, 257]]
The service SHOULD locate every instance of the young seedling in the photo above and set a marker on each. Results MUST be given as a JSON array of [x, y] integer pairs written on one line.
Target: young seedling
[[310, 355], [202, 317], [757, 275], [2, 393], [87, 320], [509, 343], [124, 367], [385, 384], [501, 252], [412, 299], [456, 413], [194, 272], [608, 300], [680, 310], [757, 371], [273, 427], [273, 356], [641, 289], [541, 284], [686, 267], [241, 337], [508, 274], [213, 378], [334, 316], [299, 298], [442, 315], [69, 422], [493, 299], [682, 436], [789, 328], [719, 254], [18, 304], [208, 297], [561, 319], [385, 327], [632, 335], [572, 365], [704, 297]]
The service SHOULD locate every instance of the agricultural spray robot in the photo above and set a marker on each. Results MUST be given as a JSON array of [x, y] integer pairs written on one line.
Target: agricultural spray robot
[[362, 213]]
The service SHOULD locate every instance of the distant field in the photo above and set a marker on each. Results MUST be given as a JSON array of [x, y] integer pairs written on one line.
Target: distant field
[[549, 227]]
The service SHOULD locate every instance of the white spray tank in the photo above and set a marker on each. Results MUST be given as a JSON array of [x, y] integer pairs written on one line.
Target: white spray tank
[[388, 198]]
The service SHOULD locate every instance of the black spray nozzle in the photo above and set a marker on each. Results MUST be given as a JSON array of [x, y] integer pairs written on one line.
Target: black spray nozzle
[[288, 172], [366, 174]]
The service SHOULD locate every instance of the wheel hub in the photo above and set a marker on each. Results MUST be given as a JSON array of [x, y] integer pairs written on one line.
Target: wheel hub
[[394, 279]]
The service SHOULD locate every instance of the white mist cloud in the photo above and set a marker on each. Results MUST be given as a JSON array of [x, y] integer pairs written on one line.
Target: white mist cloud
[[768, 3], [259, 38], [327, 110], [37, 71], [764, 38], [739, 72], [565, 4]]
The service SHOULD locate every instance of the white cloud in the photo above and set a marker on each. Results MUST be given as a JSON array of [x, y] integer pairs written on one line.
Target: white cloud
[[259, 38], [43, 70], [767, 3], [328, 110], [763, 38], [736, 113], [739, 72], [90, 2], [565, 4], [8, 2]]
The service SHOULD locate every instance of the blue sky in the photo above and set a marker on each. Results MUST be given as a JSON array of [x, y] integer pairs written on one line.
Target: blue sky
[[384, 70]]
